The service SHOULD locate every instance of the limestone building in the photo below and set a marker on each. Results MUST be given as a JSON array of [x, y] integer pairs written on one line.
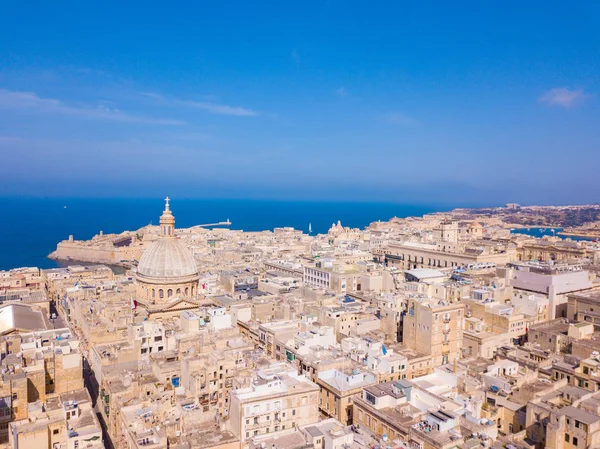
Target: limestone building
[[434, 327], [167, 269], [278, 399]]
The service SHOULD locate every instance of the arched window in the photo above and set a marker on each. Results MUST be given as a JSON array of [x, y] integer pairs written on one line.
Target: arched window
[[178, 291], [161, 293], [187, 291], [169, 293], [153, 293]]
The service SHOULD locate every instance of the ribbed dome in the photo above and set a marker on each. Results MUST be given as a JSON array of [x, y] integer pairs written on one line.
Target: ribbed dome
[[167, 258]]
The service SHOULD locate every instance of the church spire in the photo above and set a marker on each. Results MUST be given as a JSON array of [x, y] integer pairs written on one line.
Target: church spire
[[167, 221]]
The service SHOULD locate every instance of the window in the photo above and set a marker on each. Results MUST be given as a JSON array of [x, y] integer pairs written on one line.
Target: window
[[161, 293], [370, 397], [169, 293], [55, 432], [574, 441], [586, 370], [567, 438]]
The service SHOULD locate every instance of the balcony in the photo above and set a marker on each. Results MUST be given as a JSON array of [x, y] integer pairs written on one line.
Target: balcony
[[489, 411], [264, 412]]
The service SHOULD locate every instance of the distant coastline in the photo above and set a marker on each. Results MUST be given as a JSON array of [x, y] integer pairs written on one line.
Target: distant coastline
[[37, 225]]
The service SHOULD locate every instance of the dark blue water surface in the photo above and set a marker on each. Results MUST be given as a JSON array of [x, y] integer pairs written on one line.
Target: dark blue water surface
[[543, 232], [30, 228], [537, 232]]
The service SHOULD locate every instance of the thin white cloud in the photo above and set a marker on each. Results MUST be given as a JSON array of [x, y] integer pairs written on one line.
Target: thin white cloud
[[214, 108], [561, 96], [341, 92], [152, 95], [296, 58], [33, 103], [397, 118], [221, 109]]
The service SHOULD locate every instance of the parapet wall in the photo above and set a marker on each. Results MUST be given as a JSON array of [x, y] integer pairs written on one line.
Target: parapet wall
[[66, 250]]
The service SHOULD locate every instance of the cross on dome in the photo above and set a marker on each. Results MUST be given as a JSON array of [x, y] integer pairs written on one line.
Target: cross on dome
[[167, 199]]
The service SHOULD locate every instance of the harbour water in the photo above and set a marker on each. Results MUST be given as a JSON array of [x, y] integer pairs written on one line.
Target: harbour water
[[30, 228], [543, 232], [538, 232]]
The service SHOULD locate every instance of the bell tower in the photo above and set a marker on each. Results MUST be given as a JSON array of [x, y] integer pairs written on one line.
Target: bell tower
[[167, 221]]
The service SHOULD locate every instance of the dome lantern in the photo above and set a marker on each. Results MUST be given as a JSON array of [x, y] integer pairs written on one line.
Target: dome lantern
[[167, 221]]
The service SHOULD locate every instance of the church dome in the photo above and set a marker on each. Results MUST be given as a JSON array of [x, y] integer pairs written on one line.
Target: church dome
[[167, 258]]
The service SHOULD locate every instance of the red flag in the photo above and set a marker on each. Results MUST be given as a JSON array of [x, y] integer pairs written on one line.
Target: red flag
[[133, 304]]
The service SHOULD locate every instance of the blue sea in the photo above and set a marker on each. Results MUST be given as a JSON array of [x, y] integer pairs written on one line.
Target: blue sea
[[30, 228]]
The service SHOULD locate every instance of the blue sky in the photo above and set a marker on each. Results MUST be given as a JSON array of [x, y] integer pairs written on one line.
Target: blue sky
[[413, 102]]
